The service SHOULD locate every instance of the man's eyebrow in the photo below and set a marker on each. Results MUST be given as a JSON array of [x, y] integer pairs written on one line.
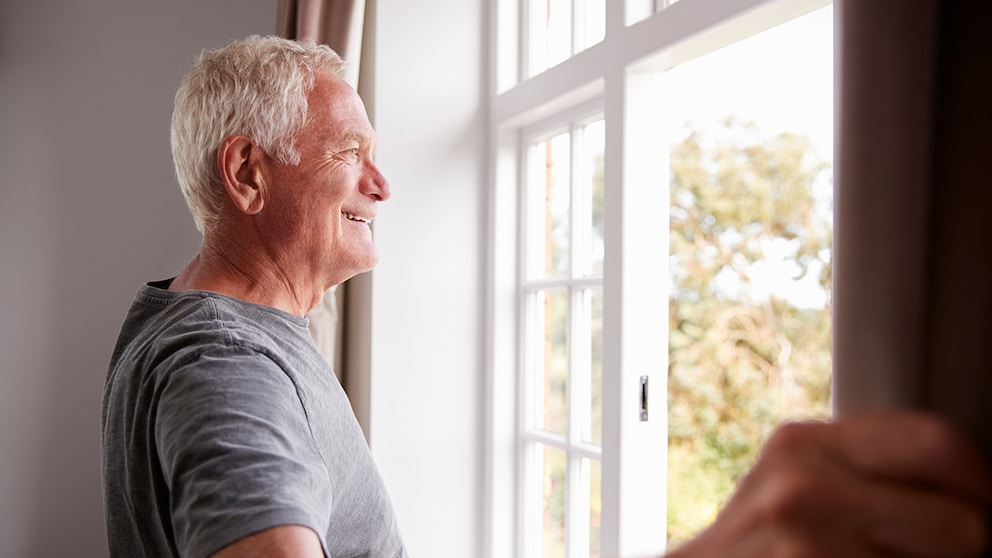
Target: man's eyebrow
[[356, 137]]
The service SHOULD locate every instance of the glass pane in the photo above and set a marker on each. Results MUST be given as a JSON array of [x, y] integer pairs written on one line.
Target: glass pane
[[553, 310], [590, 187], [588, 367], [553, 503], [750, 256], [550, 34], [639, 10], [549, 198], [595, 506], [592, 27]]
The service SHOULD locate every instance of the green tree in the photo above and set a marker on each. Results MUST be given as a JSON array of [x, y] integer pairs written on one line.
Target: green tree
[[741, 361]]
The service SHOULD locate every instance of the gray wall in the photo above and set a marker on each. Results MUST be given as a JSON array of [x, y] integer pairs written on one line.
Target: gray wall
[[88, 210]]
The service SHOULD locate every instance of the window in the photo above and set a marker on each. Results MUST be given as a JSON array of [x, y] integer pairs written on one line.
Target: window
[[603, 136], [560, 28], [639, 10], [563, 308]]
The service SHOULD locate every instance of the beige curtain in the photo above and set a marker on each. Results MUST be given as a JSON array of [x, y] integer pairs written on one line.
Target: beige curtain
[[337, 23], [340, 25], [913, 203]]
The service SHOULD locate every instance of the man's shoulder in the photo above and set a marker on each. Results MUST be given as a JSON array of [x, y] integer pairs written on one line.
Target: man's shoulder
[[204, 317], [168, 330]]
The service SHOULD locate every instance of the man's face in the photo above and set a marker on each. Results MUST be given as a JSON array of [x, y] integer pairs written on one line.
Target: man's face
[[319, 211]]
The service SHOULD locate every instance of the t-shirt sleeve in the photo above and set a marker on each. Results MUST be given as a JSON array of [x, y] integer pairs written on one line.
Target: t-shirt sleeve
[[237, 453]]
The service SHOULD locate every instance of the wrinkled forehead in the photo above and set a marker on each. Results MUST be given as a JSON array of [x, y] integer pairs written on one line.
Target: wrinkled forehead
[[336, 110]]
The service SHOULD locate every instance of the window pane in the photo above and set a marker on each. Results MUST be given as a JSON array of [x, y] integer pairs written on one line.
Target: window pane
[[595, 506], [553, 502], [549, 200], [550, 34], [589, 191], [592, 27], [639, 10], [588, 368], [553, 311]]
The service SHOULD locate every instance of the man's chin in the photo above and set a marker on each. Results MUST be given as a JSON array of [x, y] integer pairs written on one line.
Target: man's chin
[[366, 264]]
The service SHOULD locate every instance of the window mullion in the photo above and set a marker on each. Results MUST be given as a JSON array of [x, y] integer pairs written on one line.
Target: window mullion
[[578, 508], [612, 390]]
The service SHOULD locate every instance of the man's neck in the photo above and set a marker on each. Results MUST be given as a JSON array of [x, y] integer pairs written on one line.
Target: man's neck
[[228, 272]]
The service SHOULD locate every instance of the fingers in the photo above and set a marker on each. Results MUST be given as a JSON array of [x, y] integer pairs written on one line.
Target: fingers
[[880, 485], [916, 448], [902, 482], [925, 488], [921, 523]]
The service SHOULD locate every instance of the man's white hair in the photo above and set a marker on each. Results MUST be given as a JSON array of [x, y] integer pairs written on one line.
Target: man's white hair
[[256, 87]]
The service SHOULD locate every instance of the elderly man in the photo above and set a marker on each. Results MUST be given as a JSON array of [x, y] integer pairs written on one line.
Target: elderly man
[[223, 428], [225, 433]]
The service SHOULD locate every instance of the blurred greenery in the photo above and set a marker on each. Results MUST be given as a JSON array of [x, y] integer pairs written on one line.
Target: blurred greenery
[[743, 359]]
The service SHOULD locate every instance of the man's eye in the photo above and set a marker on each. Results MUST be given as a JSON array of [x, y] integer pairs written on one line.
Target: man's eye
[[349, 155]]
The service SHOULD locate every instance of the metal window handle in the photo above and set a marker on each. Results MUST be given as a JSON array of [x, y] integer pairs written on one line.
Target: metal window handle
[[644, 398]]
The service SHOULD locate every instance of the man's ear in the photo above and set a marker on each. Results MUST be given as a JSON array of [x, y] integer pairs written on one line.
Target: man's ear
[[241, 162]]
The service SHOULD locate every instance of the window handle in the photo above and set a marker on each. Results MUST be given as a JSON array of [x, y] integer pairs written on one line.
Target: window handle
[[644, 398]]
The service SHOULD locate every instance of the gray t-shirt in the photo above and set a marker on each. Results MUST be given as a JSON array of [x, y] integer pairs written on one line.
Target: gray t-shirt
[[221, 419]]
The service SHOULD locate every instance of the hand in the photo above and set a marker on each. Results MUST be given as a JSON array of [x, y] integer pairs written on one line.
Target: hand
[[873, 485]]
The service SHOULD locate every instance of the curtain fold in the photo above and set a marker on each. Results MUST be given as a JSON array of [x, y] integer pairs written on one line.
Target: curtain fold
[[339, 24], [913, 197]]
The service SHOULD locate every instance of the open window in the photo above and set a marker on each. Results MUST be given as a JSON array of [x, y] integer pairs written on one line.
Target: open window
[[661, 252]]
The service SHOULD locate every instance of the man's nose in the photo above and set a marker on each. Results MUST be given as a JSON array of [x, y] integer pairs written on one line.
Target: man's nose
[[375, 184]]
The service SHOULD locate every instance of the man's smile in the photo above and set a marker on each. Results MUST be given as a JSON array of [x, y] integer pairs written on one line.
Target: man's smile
[[353, 217]]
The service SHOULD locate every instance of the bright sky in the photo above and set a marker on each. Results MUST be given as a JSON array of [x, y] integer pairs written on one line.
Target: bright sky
[[782, 80]]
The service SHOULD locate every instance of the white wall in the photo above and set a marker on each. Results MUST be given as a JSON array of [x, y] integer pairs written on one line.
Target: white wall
[[89, 209], [427, 293]]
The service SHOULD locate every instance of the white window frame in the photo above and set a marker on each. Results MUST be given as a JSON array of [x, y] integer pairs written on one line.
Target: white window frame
[[620, 74], [571, 442]]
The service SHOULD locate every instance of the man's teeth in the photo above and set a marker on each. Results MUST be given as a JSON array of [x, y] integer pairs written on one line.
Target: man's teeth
[[354, 217]]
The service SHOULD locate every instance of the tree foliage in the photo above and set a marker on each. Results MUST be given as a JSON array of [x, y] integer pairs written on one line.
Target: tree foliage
[[742, 359]]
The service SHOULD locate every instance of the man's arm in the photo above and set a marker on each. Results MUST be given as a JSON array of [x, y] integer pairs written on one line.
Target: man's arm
[[236, 453], [285, 541], [876, 485]]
